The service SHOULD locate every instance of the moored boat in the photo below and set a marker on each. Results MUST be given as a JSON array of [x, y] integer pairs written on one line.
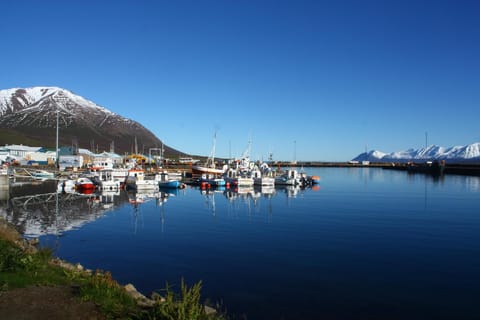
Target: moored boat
[[135, 180], [164, 181], [262, 179], [206, 169], [84, 185], [208, 179], [289, 178], [235, 178], [209, 167], [106, 181], [42, 175]]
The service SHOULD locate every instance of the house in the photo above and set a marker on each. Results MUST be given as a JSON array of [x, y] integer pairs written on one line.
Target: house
[[20, 151], [117, 160]]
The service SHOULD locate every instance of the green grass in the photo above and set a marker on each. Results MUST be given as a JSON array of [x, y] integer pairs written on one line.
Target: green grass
[[18, 269], [184, 305], [109, 295]]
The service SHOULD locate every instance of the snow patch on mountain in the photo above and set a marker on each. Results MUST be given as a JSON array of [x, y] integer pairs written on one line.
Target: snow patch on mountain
[[34, 96], [468, 153]]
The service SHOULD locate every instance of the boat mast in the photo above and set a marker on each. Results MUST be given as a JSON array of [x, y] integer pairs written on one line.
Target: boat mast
[[212, 154]]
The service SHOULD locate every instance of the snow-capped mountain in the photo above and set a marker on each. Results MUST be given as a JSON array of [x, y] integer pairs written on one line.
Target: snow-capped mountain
[[28, 116], [468, 153]]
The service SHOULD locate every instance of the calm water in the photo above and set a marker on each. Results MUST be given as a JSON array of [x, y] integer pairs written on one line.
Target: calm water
[[367, 244]]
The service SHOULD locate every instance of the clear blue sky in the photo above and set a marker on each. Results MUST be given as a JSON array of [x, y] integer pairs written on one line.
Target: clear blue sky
[[315, 80]]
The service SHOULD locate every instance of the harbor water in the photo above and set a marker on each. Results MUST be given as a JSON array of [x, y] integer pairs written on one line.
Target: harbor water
[[366, 243]]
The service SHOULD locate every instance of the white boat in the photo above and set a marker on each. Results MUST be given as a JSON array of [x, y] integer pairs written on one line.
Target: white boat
[[106, 180], [289, 178], [262, 179], [42, 175], [209, 166], [135, 180], [198, 169], [118, 174], [234, 178]]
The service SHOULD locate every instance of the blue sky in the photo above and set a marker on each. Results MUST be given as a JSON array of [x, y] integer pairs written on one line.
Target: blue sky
[[310, 80]]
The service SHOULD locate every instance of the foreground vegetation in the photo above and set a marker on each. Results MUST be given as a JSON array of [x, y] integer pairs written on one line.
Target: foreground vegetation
[[20, 268]]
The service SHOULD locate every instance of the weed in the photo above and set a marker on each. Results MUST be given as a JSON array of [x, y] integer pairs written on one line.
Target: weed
[[183, 306]]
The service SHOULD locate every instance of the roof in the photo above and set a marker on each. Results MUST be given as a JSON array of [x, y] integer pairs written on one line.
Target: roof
[[17, 147]]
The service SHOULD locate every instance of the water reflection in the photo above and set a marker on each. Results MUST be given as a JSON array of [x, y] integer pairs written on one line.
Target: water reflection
[[54, 213], [35, 209]]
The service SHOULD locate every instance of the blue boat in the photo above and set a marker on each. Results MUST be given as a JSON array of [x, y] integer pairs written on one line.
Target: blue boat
[[211, 180], [165, 182]]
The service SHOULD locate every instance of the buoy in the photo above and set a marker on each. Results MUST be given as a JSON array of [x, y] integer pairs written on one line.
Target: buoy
[[227, 185]]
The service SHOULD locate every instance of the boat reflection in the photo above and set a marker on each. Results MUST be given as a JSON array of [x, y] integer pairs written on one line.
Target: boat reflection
[[55, 213]]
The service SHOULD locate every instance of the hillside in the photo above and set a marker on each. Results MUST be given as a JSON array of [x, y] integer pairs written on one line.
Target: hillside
[[29, 116]]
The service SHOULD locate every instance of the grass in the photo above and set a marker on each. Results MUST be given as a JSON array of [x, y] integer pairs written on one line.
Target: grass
[[21, 269], [184, 305]]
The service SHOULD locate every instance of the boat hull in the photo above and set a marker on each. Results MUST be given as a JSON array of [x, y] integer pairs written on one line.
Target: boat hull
[[169, 184], [203, 170]]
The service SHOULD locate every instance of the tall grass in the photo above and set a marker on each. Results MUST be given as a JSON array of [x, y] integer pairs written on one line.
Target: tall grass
[[184, 305]]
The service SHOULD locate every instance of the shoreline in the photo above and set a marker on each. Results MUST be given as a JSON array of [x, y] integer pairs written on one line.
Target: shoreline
[[52, 296]]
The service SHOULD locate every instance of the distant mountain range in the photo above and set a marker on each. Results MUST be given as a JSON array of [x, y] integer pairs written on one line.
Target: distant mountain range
[[458, 154], [28, 116]]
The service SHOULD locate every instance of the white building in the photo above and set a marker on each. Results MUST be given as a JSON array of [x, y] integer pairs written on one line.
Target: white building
[[20, 151]]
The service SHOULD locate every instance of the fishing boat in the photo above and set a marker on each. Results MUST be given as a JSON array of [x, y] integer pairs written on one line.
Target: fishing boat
[[262, 178], [135, 180], [289, 178], [235, 178], [84, 185], [306, 180], [42, 174], [198, 169], [208, 179], [106, 180], [164, 181], [209, 167]]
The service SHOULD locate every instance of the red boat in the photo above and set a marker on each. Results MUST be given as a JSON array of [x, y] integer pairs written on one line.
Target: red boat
[[84, 185]]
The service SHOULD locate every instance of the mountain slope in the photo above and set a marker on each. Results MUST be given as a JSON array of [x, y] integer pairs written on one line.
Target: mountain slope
[[29, 116], [468, 153]]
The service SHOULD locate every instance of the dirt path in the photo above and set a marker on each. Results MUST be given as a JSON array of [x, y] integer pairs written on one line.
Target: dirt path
[[43, 302]]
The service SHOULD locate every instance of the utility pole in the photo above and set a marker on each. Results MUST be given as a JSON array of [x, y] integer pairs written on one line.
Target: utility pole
[[58, 98]]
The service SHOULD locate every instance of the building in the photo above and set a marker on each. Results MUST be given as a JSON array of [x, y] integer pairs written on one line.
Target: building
[[20, 151]]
